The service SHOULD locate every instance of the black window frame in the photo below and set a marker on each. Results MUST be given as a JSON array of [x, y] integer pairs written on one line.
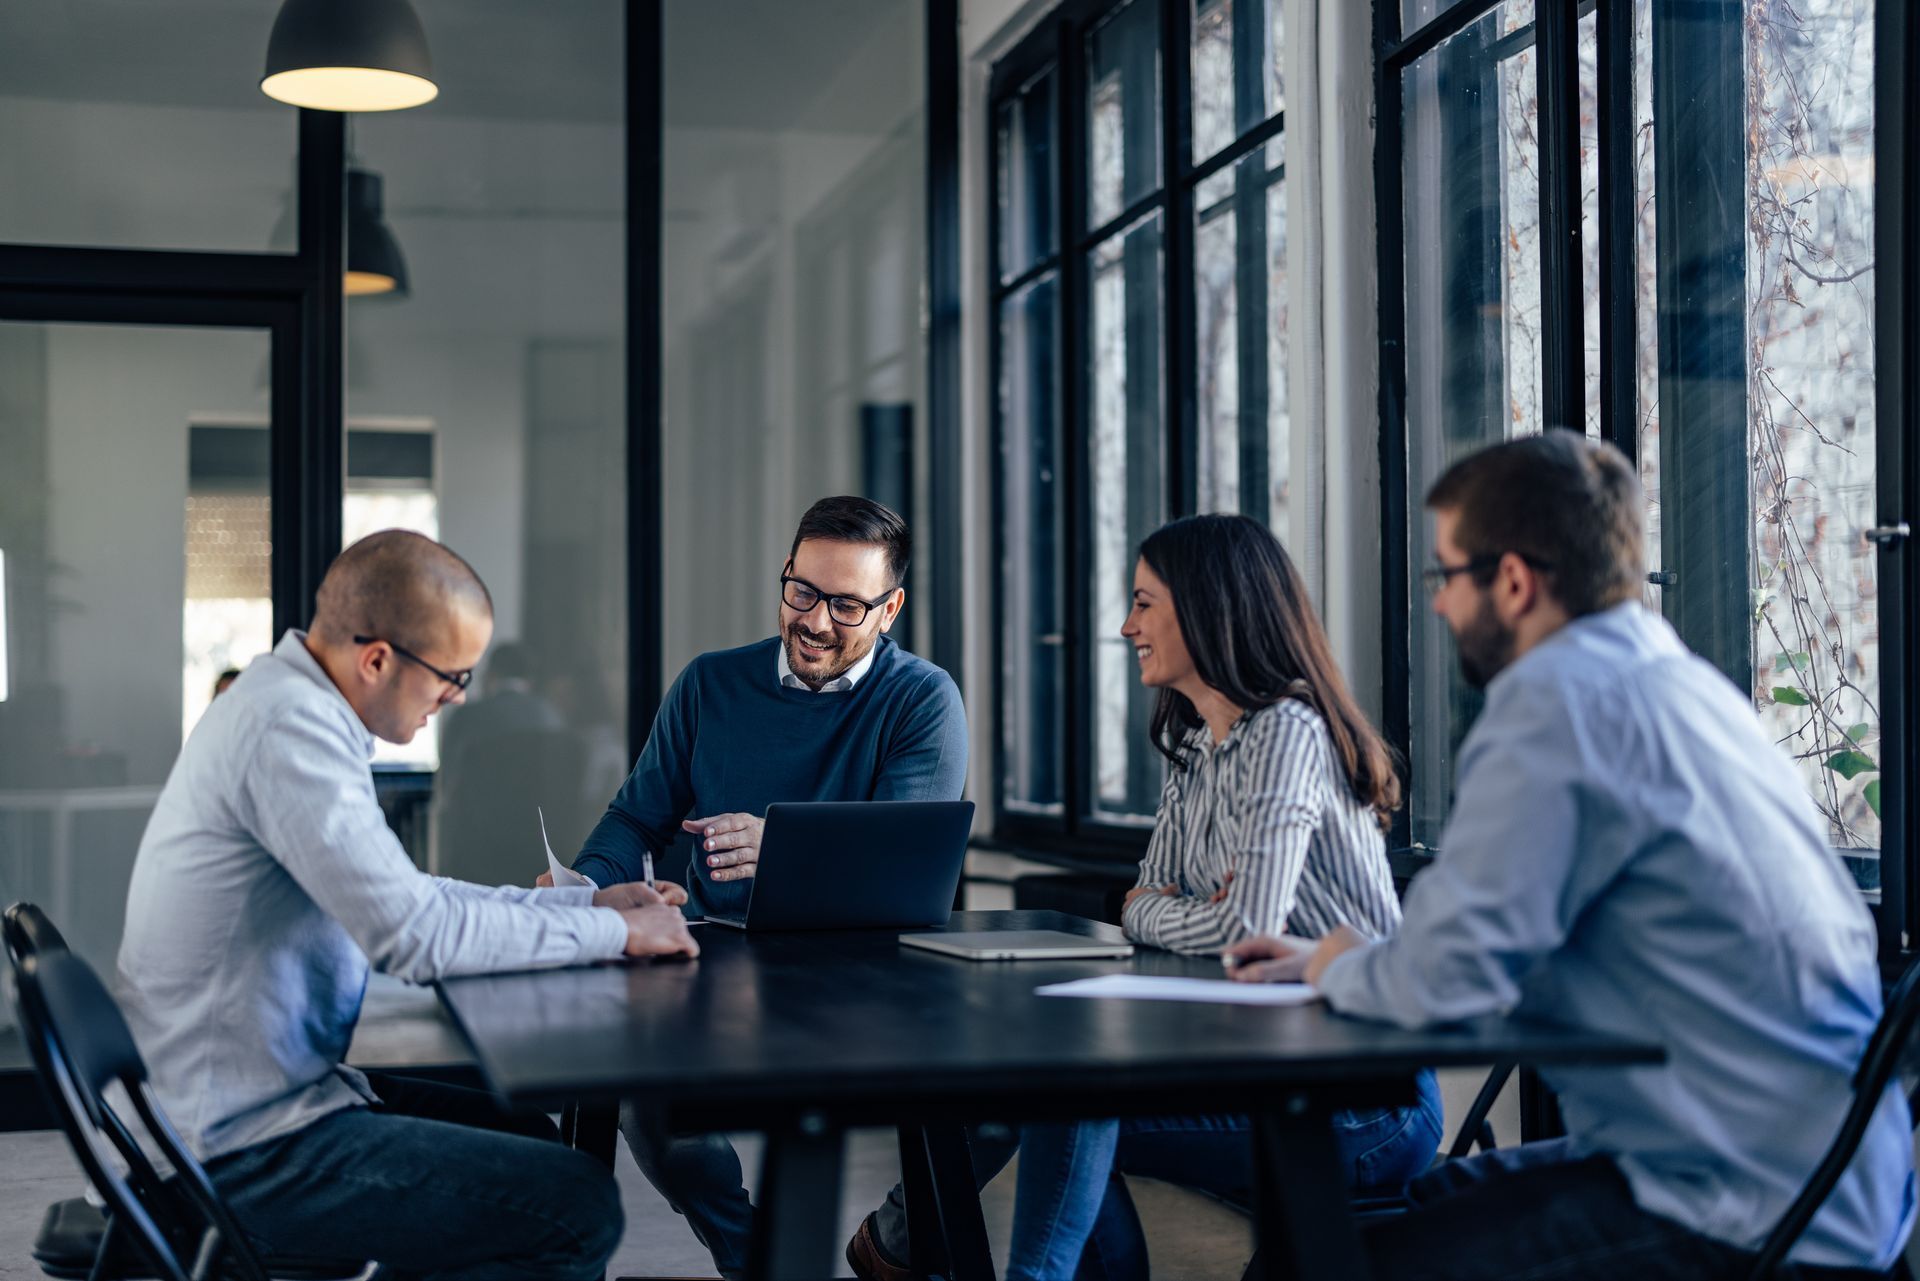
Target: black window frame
[[1076, 837], [1896, 325]]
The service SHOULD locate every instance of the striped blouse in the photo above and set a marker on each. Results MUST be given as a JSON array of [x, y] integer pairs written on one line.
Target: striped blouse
[[1271, 805]]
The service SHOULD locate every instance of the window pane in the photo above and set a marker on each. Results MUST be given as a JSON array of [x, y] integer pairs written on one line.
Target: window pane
[[1646, 317], [1240, 256], [1127, 434], [1024, 140], [1236, 69], [486, 407], [1473, 308], [1810, 285], [143, 126], [1415, 14], [98, 559], [1759, 454], [1587, 51], [1032, 599], [1123, 111]]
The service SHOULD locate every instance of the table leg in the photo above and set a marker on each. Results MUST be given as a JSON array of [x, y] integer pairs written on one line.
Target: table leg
[[795, 1227], [593, 1128], [1303, 1226], [949, 1194], [925, 1237]]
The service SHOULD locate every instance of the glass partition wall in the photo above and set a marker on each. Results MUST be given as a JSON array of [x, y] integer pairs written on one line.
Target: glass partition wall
[[486, 406], [795, 266], [137, 565], [173, 334]]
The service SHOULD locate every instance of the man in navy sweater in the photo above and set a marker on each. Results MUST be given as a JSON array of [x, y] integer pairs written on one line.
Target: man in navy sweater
[[830, 709]]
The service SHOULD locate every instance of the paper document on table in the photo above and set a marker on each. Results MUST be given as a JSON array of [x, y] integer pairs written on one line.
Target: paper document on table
[[562, 876], [1149, 987]]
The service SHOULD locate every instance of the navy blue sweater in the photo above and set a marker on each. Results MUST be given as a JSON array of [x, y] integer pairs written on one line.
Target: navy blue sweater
[[730, 738]]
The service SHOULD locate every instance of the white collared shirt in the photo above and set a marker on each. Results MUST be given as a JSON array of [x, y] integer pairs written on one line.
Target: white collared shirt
[[267, 881], [844, 681]]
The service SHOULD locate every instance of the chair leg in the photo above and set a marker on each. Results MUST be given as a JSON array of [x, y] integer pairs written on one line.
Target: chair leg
[[106, 1253], [592, 1128]]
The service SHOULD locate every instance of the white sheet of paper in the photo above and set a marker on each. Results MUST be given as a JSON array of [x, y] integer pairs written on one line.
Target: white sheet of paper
[[562, 876], [1149, 987]]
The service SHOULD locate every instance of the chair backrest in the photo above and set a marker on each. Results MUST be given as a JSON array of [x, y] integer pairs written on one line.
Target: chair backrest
[[1887, 1049], [81, 1045], [28, 930]]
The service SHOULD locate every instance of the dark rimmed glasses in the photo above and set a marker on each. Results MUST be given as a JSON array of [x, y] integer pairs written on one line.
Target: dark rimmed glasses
[[1437, 576], [459, 680], [848, 611]]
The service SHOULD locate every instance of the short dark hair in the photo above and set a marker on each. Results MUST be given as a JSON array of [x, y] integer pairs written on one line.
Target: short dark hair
[[1251, 628], [849, 519], [1567, 503]]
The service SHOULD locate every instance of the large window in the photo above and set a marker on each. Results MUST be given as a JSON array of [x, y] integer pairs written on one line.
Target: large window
[[1140, 355], [1657, 222]]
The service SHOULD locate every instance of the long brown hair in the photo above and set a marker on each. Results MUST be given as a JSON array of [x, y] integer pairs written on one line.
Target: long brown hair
[[1255, 638]]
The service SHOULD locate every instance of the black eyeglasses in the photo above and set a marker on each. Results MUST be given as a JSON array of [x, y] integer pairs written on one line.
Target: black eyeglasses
[[848, 611], [1436, 577], [459, 680]]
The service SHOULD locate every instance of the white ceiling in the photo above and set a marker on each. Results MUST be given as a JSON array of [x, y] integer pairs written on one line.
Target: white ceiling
[[736, 64]]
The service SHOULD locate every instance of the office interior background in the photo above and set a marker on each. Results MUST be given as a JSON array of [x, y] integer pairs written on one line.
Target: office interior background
[[1039, 275]]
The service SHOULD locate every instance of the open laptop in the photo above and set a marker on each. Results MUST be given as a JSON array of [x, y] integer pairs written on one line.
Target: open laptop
[[1017, 945], [836, 865]]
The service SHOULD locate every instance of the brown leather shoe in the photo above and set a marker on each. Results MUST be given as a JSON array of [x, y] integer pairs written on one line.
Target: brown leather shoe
[[868, 1261]]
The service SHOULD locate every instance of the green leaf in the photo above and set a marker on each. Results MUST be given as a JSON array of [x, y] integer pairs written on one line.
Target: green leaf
[[1789, 695], [1873, 797], [1797, 661], [1858, 732], [1847, 764]]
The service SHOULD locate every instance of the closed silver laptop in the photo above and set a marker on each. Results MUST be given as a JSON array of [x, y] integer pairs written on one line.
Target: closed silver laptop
[[1017, 945]]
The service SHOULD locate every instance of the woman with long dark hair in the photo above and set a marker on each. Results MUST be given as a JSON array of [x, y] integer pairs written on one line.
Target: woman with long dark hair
[[1272, 819]]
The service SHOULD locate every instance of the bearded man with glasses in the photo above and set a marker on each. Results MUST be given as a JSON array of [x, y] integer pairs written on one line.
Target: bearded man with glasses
[[1628, 851], [827, 709]]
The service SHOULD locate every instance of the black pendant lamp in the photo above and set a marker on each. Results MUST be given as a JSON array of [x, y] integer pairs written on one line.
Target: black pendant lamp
[[349, 55], [374, 264]]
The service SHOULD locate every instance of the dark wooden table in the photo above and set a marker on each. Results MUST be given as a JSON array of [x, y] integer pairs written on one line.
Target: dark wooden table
[[805, 1035]]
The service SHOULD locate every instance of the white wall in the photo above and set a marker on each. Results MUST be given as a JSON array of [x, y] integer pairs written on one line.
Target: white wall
[[119, 401]]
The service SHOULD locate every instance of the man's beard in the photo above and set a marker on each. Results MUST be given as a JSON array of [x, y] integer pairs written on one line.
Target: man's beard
[[1485, 646], [842, 656]]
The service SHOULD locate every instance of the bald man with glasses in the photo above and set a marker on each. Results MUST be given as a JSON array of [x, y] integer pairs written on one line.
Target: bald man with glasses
[[268, 884]]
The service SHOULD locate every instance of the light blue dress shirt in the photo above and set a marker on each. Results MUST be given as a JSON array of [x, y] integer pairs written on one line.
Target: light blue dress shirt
[[266, 881], [1629, 852]]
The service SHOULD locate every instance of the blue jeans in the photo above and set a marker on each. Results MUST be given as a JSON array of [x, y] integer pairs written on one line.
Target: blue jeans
[[700, 1177], [436, 1182], [1073, 1216]]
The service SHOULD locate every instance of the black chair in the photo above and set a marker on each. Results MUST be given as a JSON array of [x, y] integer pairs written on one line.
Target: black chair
[[1476, 1131], [27, 931], [1888, 1050], [177, 1227], [68, 1243]]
